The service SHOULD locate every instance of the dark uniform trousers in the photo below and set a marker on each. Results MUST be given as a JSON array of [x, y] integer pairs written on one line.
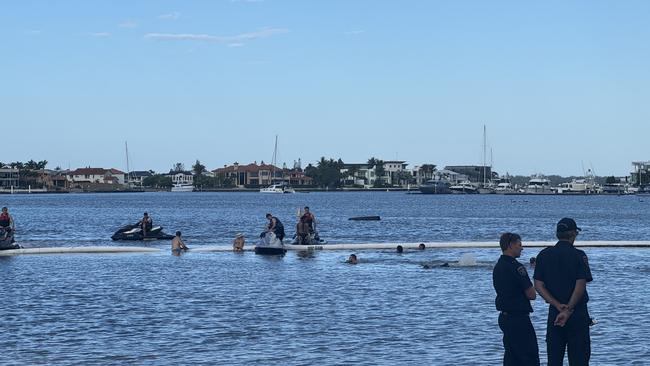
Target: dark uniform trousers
[[519, 340], [574, 336]]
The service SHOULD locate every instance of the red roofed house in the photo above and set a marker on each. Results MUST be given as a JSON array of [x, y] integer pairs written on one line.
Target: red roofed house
[[97, 175], [261, 175]]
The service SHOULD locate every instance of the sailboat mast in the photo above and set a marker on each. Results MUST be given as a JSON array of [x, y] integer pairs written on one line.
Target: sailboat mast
[[273, 160], [128, 169], [484, 147]]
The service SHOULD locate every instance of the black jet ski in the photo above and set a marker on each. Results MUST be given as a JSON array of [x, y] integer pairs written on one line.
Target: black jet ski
[[270, 245], [7, 240], [308, 239], [134, 232]]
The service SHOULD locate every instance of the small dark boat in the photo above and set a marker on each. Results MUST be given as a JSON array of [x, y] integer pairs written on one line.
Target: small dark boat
[[7, 241], [134, 232], [365, 218]]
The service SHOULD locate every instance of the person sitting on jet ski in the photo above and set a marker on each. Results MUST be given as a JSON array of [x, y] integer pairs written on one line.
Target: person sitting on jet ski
[[275, 226], [308, 218], [6, 222], [146, 223]]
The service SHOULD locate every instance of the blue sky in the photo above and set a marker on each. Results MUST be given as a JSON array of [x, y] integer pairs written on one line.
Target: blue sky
[[559, 84]]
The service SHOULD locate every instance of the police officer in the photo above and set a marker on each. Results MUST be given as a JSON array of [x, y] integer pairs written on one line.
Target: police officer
[[561, 277], [514, 292]]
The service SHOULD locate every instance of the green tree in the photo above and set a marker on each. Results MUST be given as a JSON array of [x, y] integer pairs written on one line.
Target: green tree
[[611, 180], [427, 170], [379, 171], [178, 167], [157, 181], [326, 173]]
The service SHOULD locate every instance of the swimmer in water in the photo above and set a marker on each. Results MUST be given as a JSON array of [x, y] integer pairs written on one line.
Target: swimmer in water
[[421, 246], [400, 249], [177, 245], [352, 259]]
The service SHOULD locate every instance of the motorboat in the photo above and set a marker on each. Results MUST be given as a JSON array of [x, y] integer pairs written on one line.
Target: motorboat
[[134, 232], [538, 184], [578, 186], [505, 188], [465, 187], [182, 187], [435, 187], [270, 244], [277, 188], [7, 240]]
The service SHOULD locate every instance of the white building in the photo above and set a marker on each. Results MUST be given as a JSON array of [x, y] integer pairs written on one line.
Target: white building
[[97, 175], [185, 177]]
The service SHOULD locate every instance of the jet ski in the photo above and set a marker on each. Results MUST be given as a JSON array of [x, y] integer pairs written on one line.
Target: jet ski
[[134, 232], [7, 240], [308, 239], [270, 245]]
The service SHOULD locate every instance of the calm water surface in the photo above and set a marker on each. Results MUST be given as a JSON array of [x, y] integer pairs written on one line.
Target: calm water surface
[[237, 309]]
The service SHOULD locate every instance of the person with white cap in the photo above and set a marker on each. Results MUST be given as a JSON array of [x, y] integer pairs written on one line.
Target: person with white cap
[[238, 243]]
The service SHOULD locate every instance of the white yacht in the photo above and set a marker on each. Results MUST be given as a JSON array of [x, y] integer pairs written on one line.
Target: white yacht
[[277, 188], [505, 188], [465, 187], [538, 184], [182, 187]]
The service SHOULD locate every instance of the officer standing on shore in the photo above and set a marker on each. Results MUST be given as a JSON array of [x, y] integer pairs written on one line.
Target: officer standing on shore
[[514, 292], [561, 277]]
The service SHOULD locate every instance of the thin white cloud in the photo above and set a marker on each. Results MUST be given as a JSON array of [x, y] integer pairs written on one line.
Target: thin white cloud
[[170, 16], [238, 38], [100, 34], [355, 32], [128, 24]]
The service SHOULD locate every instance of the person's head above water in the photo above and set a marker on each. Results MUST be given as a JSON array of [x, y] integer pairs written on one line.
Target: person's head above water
[[353, 259], [421, 246], [400, 249]]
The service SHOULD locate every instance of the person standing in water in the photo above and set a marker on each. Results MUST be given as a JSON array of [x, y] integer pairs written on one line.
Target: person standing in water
[[514, 292], [177, 244]]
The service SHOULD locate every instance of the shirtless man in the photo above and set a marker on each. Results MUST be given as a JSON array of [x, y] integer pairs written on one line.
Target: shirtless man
[[238, 243], [177, 245]]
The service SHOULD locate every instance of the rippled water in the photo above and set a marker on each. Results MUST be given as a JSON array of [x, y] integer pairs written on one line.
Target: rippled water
[[236, 309]]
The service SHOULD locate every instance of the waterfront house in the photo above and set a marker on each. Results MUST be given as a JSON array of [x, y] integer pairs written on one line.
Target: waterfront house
[[640, 174], [256, 175], [474, 173], [97, 175], [135, 177], [9, 177], [181, 177]]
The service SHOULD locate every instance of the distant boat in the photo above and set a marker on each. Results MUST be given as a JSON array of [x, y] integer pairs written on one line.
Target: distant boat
[[365, 218], [538, 184], [182, 187], [276, 187], [435, 187], [465, 187]]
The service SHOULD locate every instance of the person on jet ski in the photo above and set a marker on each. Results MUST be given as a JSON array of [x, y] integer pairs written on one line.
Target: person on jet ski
[[6, 222], [305, 226], [309, 219], [275, 226], [146, 223]]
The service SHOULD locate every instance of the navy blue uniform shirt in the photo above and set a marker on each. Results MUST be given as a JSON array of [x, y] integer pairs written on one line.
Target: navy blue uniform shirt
[[510, 281], [559, 267]]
